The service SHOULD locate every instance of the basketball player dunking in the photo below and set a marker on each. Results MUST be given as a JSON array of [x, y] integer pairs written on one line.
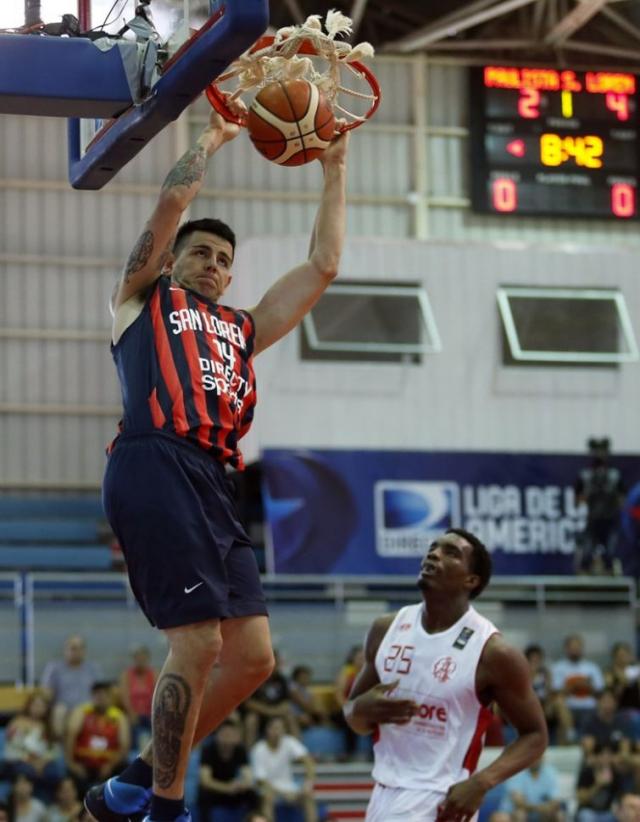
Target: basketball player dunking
[[185, 365], [430, 675]]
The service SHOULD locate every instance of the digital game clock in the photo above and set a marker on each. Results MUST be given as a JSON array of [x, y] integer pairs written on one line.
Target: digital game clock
[[555, 142]]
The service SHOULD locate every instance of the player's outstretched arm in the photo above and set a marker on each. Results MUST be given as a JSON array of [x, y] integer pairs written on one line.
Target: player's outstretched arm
[[153, 247], [503, 677], [369, 703], [293, 295]]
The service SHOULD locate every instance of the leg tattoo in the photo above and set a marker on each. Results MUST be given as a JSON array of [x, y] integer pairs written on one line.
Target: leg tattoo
[[170, 708]]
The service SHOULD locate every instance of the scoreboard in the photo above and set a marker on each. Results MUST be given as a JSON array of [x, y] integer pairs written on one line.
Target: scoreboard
[[555, 142]]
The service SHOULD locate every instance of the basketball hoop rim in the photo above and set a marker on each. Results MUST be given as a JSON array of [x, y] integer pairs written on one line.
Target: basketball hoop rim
[[218, 101]]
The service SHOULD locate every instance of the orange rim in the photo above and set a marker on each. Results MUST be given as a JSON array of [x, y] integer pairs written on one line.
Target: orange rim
[[217, 98]]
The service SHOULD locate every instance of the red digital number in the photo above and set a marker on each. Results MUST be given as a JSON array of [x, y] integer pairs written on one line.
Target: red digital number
[[400, 659], [504, 192], [619, 104], [529, 103], [623, 200]]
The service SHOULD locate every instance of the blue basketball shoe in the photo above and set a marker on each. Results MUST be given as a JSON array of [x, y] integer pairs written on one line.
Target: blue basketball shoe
[[116, 801]]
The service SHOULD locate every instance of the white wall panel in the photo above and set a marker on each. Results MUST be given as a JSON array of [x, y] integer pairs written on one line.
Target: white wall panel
[[463, 397]]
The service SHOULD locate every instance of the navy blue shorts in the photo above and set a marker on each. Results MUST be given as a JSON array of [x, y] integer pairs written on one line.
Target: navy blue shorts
[[171, 507]]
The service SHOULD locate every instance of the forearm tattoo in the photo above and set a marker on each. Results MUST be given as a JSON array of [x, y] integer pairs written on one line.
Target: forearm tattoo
[[140, 255], [171, 703], [189, 169]]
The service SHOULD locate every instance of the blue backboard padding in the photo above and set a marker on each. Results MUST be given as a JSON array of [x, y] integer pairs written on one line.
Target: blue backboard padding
[[242, 22], [61, 77]]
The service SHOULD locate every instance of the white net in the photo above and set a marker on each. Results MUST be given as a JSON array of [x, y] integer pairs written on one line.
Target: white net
[[312, 52]]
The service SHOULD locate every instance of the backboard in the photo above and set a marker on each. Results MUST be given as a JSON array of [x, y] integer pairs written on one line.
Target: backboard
[[195, 41], [139, 67]]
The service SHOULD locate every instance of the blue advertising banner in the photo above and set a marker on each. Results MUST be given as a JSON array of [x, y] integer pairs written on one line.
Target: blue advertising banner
[[376, 512]]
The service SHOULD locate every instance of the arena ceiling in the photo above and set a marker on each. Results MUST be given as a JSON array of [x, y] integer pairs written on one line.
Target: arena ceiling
[[602, 32]]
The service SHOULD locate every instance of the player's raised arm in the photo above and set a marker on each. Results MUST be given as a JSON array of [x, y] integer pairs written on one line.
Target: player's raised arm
[[293, 295], [153, 247]]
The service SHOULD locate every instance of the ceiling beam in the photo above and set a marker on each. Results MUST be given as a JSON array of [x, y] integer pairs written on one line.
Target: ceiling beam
[[357, 13], [622, 22], [295, 11], [576, 19], [601, 48], [481, 45], [446, 27]]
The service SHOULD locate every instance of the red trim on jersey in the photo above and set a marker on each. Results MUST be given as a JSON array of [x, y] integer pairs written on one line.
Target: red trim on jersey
[[190, 344], [168, 367], [226, 422], [375, 734], [485, 718], [157, 414]]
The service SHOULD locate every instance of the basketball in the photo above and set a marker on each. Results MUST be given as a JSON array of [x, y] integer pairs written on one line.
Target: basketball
[[291, 122]]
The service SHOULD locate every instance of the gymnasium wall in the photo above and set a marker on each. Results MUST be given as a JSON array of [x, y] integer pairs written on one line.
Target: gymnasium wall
[[61, 250]]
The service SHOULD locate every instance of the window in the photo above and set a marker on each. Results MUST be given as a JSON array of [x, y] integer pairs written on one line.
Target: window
[[581, 326], [374, 322]]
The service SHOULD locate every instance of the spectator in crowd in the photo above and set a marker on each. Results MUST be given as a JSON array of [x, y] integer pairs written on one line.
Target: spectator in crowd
[[626, 808], [4, 812], [254, 816], [67, 806], [598, 785], [68, 680], [343, 683], [578, 680], [23, 806], [226, 790], [270, 700], [305, 706], [558, 716], [606, 730], [623, 679], [532, 795], [272, 759], [136, 690], [98, 738], [600, 487], [30, 747]]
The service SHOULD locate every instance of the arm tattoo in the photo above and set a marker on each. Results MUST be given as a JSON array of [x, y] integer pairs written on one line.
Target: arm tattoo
[[188, 170], [171, 703], [140, 255]]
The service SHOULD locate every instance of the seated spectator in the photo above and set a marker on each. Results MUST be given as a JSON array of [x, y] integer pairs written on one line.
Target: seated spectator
[[558, 716], [136, 690], [97, 739], [304, 704], [226, 791], [270, 700], [607, 731], [271, 761], [598, 785], [626, 808], [30, 747], [623, 678], [67, 806], [579, 680], [531, 796], [23, 806], [68, 681], [4, 812]]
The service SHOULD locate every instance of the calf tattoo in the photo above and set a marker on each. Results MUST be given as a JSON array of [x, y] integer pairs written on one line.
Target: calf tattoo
[[171, 703]]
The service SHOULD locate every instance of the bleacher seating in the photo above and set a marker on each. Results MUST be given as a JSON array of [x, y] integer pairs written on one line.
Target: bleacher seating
[[52, 533]]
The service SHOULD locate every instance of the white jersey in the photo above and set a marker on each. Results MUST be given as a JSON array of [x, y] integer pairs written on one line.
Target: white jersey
[[442, 743]]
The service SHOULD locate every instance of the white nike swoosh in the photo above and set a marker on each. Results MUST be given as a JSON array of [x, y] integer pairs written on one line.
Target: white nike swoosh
[[193, 587]]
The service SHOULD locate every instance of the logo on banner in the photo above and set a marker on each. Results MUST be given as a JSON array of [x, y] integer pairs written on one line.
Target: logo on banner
[[410, 515]]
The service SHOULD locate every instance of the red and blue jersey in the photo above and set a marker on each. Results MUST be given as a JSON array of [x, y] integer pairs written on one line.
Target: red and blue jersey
[[185, 367]]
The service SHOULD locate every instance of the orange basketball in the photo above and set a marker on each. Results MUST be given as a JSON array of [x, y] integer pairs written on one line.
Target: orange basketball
[[291, 122]]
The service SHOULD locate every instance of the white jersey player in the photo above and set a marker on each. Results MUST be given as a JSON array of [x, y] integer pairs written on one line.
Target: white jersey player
[[432, 671]]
